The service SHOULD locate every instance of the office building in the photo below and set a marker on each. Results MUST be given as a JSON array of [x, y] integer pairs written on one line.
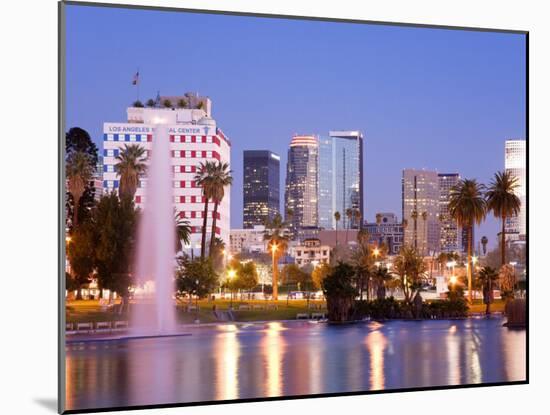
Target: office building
[[387, 231], [450, 233], [515, 160]]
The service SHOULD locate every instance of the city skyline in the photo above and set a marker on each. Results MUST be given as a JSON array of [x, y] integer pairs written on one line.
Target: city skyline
[[404, 115]]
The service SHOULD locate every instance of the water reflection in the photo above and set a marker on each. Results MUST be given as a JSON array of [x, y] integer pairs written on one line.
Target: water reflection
[[283, 359]]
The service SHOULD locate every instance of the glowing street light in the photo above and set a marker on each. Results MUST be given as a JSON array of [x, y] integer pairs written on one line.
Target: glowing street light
[[376, 252], [453, 280], [68, 239]]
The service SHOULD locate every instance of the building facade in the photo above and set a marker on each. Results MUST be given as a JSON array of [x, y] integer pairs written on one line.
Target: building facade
[[450, 233], [340, 177], [260, 187], [194, 138], [310, 251], [301, 190], [420, 209], [387, 230], [248, 240], [515, 162]]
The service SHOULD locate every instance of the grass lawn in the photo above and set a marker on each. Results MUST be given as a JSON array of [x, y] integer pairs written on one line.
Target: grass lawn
[[479, 307]]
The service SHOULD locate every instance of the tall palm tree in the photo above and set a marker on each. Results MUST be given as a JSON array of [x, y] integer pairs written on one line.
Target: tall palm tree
[[349, 215], [337, 218], [467, 206], [204, 179], [221, 178], [277, 245], [357, 218], [378, 218], [484, 242], [131, 165], [503, 202], [183, 231], [79, 172], [487, 277], [425, 239]]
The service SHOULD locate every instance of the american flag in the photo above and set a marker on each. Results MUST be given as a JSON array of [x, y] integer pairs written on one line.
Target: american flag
[[136, 78]]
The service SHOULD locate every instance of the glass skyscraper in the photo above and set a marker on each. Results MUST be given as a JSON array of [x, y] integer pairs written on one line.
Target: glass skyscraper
[[515, 159], [301, 192], [340, 177], [450, 232], [260, 187]]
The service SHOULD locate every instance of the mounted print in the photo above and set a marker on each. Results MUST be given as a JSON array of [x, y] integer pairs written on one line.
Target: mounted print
[[259, 207]]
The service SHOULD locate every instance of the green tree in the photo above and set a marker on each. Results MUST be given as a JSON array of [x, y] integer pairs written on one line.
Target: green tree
[[205, 180], [381, 277], [221, 178], [503, 202], [487, 278], [195, 277], [167, 103], [293, 274], [182, 103], [318, 274], [410, 268], [114, 235], [467, 206], [79, 172], [246, 275], [277, 246], [340, 291], [137, 104], [337, 218], [80, 251], [183, 231], [150, 103], [131, 164]]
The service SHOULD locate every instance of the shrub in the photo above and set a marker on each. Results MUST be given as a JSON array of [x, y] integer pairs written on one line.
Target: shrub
[[137, 104]]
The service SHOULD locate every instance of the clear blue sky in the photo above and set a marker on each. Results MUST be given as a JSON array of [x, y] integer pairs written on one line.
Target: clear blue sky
[[424, 98]]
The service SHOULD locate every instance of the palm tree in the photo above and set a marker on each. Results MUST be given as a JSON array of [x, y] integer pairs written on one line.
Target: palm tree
[[349, 215], [484, 242], [337, 218], [487, 276], [183, 231], [381, 276], [425, 219], [503, 202], [357, 218], [79, 173], [378, 218], [204, 179], [131, 165], [414, 216], [410, 268], [221, 177], [277, 245], [467, 206]]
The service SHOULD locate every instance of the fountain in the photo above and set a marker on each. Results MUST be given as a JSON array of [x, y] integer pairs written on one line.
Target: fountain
[[154, 314]]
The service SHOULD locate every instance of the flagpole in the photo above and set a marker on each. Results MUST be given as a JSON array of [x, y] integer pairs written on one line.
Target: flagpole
[[137, 84]]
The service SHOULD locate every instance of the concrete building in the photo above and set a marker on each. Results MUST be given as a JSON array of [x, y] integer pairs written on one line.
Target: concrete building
[[450, 233], [420, 209], [310, 251], [515, 162], [340, 177], [301, 191], [194, 138], [249, 240], [260, 187], [387, 230]]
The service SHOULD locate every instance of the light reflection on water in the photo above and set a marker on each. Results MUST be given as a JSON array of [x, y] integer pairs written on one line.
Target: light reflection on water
[[284, 359]]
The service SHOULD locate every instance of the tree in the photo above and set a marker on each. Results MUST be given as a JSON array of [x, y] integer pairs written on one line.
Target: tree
[[79, 174], [487, 277], [277, 246], [381, 277], [167, 103], [484, 242], [204, 179], [507, 279], [293, 274], [503, 202], [182, 103], [318, 274], [137, 104], [195, 277], [131, 165], [221, 178], [337, 218], [414, 216], [378, 218], [362, 260], [150, 103], [80, 251], [340, 292], [410, 268], [349, 215], [246, 275], [114, 223], [467, 206], [183, 231], [425, 219]]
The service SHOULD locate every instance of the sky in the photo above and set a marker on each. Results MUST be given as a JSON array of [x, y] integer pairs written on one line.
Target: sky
[[437, 99]]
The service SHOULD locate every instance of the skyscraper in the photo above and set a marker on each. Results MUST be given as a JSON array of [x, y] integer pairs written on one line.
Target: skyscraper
[[260, 187], [302, 181], [515, 159], [450, 233], [420, 205], [340, 177]]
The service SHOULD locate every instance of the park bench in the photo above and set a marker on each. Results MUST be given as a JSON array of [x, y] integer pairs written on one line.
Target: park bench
[[120, 325], [103, 326], [84, 326], [244, 307], [302, 316], [272, 307], [317, 316], [258, 307]]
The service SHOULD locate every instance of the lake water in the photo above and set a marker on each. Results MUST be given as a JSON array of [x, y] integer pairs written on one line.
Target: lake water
[[297, 358]]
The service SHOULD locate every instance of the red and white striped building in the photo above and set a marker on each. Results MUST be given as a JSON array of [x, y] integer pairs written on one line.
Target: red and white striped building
[[194, 138]]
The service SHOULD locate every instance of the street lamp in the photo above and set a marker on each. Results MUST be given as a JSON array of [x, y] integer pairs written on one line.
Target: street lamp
[[68, 239]]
